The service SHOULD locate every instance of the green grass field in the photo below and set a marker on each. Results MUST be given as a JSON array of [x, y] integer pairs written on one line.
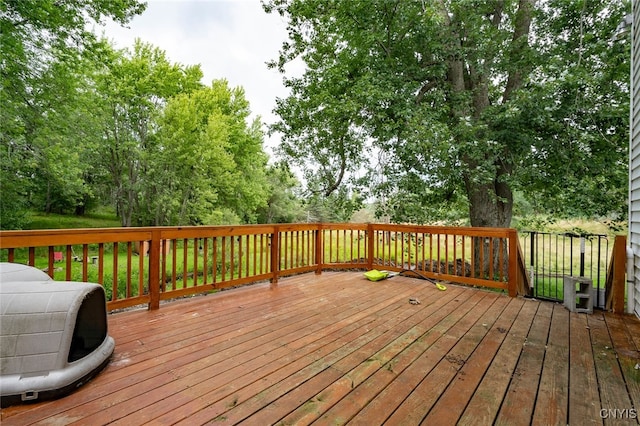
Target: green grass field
[[101, 219]]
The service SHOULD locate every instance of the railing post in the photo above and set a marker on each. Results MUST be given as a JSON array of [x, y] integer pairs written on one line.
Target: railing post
[[370, 245], [319, 248], [524, 285], [275, 256], [513, 263], [532, 263], [618, 266], [154, 270], [583, 247]]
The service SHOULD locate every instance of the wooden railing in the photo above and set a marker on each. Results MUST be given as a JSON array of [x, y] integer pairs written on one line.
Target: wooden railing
[[146, 265]]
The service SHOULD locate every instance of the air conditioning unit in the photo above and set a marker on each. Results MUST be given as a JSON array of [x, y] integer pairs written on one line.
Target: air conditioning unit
[[53, 334]]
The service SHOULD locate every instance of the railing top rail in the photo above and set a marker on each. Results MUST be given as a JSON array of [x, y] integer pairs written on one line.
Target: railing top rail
[[52, 237], [526, 233], [345, 226], [214, 231], [288, 227], [454, 230]]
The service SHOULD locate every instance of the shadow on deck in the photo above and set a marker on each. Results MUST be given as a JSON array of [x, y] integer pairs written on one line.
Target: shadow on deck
[[335, 348]]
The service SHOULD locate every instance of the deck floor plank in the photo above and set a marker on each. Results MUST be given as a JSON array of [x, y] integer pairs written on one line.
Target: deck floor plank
[[382, 391], [622, 330], [553, 393], [208, 390], [518, 404], [613, 392], [326, 362], [487, 399], [391, 362], [452, 355], [421, 359], [335, 349], [305, 404], [454, 400], [584, 399]]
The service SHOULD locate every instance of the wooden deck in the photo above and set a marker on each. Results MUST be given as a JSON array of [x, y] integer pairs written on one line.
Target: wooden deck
[[335, 348]]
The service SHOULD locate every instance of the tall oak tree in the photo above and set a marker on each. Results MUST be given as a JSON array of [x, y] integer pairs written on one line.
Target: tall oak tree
[[443, 100]]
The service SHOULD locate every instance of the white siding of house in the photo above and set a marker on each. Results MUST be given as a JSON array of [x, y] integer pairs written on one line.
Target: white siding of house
[[634, 153]]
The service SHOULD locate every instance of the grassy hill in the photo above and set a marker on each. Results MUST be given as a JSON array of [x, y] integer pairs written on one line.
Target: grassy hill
[[100, 219]]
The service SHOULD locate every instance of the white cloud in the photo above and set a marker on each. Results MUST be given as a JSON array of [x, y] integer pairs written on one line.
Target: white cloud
[[231, 39]]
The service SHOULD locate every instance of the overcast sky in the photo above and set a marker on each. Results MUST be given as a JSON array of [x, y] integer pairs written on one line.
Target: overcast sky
[[231, 39]]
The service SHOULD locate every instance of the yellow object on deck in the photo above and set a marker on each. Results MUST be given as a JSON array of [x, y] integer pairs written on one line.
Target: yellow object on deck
[[375, 275]]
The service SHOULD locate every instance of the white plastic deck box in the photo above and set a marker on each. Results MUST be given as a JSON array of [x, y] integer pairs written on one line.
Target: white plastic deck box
[[53, 334]]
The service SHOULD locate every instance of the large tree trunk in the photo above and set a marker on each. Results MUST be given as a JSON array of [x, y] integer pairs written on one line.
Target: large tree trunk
[[490, 204]]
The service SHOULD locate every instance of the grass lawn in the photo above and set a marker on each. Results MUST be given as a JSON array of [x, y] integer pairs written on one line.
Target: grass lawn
[[101, 219]]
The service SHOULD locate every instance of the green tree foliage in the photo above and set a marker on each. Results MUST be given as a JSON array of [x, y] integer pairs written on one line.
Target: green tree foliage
[[35, 32], [210, 166], [82, 121], [134, 88], [63, 139], [284, 203], [44, 47], [458, 102], [339, 206], [579, 107]]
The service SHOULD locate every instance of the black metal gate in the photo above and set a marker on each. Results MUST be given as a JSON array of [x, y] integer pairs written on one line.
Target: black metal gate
[[550, 256]]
